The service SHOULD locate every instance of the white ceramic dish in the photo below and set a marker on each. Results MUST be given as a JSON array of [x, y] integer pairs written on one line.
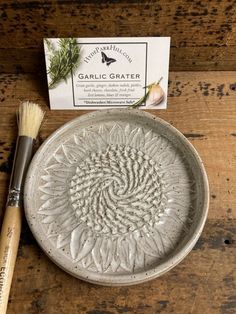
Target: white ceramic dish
[[116, 197]]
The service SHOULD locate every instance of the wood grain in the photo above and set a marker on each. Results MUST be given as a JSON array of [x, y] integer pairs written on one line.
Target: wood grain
[[202, 106], [203, 32]]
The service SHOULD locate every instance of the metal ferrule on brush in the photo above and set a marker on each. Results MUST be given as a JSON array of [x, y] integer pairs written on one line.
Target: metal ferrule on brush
[[23, 154]]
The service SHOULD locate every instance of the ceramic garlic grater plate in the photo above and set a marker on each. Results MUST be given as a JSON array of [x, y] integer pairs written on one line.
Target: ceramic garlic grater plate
[[116, 197]]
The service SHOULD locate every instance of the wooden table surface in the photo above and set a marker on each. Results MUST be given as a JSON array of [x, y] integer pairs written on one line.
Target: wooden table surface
[[201, 104]]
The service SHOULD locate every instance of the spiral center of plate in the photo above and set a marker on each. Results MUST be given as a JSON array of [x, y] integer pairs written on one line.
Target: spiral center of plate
[[117, 191]]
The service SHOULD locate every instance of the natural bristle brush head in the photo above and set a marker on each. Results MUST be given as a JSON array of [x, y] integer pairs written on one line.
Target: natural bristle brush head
[[30, 117]]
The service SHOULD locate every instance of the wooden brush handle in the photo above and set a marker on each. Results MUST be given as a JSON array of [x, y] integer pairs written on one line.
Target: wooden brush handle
[[9, 242]]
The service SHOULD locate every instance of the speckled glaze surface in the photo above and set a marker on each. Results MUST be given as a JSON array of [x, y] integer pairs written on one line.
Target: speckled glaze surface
[[116, 197]]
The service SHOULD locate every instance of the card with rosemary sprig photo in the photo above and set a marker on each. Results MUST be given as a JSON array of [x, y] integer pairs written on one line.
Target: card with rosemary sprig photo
[[97, 73]]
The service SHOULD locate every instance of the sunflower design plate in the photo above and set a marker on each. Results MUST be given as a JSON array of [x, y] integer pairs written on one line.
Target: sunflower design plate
[[116, 197]]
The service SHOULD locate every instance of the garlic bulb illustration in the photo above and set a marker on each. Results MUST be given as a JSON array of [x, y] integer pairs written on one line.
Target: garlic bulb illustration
[[153, 96]]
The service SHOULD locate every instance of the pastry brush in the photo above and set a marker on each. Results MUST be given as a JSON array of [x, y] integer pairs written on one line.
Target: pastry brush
[[30, 116]]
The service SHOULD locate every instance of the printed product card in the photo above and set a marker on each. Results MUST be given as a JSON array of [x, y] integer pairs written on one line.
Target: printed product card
[[97, 73]]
